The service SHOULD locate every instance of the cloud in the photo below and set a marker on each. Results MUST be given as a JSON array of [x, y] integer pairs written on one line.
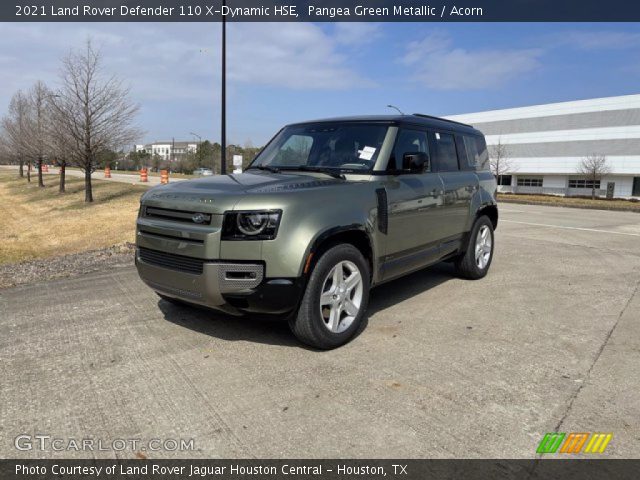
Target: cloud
[[173, 62], [596, 40], [356, 34], [437, 64], [295, 55]]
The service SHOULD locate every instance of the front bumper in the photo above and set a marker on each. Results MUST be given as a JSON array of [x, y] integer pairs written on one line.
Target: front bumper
[[231, 287]]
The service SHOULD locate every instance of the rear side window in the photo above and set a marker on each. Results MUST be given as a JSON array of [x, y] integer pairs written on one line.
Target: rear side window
[[446, 157], [477, 155]]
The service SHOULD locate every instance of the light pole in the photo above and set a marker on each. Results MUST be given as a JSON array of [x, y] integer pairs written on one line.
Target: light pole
[[199, 148], [223, 119], [393, 106]]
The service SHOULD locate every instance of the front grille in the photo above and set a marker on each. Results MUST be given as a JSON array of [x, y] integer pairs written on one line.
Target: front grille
[[195, 218], [172, 261]]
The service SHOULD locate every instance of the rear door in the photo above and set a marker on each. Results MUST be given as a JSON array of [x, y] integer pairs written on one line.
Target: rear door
[[460, 183], [414, 209]]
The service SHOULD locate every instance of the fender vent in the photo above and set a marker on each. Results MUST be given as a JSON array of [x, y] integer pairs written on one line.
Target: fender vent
[[383, 210]]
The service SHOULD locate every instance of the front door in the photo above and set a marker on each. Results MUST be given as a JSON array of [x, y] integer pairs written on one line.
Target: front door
[[414, 210]]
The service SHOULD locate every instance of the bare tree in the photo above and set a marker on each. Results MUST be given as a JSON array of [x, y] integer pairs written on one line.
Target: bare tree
[[94, 109], [61, 146], [38, 147], [499, 160], [15, 127], [594, 167]]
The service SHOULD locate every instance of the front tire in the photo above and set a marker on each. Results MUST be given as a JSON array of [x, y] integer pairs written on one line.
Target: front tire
[[335, 300], [474, 263]]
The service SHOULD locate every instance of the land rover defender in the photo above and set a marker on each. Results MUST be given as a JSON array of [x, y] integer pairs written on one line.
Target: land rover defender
[[326, 211]]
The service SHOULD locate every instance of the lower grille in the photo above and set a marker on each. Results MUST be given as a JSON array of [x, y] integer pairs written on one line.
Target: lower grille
[[172, 261]]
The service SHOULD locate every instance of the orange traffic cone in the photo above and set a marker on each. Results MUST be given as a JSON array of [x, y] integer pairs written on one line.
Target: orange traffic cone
[[107, 172], [164, 176], [144, 177]]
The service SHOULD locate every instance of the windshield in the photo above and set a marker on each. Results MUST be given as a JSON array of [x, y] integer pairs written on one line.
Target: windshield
[[340, 146]]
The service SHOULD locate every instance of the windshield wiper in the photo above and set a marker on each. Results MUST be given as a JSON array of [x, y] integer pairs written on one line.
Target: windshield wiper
[[326, 171], [268, 168]]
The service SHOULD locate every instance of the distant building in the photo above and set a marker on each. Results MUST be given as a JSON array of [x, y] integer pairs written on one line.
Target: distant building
[[168, 150], [546, 144]]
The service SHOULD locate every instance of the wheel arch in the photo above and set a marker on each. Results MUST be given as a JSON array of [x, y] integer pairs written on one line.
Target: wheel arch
[[490, 211], [356, 235]]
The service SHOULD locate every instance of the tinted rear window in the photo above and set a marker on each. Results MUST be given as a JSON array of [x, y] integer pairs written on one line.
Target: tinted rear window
[[446, 152]]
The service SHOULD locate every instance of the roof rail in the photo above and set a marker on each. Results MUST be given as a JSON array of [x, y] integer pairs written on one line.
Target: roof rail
[[441, 119]]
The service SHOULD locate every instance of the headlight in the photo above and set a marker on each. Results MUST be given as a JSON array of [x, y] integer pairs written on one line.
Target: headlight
[[251, 225]]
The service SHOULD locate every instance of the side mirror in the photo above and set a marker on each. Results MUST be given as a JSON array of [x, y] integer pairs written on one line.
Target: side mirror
[[415, 162]]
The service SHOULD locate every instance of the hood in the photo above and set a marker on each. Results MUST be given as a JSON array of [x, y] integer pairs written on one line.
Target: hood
[[221, 192]]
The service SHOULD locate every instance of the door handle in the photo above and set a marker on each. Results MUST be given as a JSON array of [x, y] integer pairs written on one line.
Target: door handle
[[435, 192]]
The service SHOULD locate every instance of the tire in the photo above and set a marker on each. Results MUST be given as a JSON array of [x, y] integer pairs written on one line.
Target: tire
[[471, 264], [331, 312]]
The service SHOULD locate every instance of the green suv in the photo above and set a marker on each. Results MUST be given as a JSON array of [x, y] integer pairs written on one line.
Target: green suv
[[326, 211]]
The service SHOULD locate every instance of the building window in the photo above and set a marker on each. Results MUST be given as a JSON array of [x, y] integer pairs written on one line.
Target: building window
[[636, 187], [584, 183], [504, 179], [529, 182]]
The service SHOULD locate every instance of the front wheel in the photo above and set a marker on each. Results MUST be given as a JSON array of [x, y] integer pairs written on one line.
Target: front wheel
[[335, 300], [474, 263]]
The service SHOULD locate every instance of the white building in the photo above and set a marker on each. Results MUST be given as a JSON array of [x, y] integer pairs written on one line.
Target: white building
[[168, 150], [546, 144]]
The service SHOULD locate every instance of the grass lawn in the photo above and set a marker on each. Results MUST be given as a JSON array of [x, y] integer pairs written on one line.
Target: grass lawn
[[40, 222], [598, 203]]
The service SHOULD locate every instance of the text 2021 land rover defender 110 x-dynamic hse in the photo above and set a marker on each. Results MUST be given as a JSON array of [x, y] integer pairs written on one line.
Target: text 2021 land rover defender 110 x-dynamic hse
[[326, 211]]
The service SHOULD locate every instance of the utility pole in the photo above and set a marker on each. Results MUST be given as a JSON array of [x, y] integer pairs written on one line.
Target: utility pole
[[223, 120], [200, 151]]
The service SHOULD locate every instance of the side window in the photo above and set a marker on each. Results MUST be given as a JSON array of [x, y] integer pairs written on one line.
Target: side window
[[295, 151], [446, 156], [464, 161], [408, 141], [477, 156], [483, 155]]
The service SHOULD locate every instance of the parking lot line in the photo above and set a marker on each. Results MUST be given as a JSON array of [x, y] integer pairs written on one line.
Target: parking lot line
[[572, 228]]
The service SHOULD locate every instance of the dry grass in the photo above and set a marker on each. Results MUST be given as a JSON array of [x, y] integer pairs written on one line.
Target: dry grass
[[40, 222], [575, 202]]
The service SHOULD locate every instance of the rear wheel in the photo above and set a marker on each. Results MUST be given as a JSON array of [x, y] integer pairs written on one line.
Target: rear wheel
[[335, 300], [474, 263]]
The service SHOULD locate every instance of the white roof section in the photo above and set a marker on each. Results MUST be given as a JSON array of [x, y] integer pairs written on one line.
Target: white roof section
[[563, 108], [580, 134]]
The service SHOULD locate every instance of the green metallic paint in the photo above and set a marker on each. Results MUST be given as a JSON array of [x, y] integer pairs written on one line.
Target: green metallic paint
[[314, 206]]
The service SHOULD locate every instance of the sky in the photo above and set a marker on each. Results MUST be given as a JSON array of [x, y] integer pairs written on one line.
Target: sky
[[278, 73]]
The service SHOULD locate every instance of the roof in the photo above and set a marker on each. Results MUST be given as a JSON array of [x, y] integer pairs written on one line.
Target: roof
[[172, 142], [414, 119], [623, 102]]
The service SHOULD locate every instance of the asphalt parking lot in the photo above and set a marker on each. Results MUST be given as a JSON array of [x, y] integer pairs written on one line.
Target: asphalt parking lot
[[549, 341]]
